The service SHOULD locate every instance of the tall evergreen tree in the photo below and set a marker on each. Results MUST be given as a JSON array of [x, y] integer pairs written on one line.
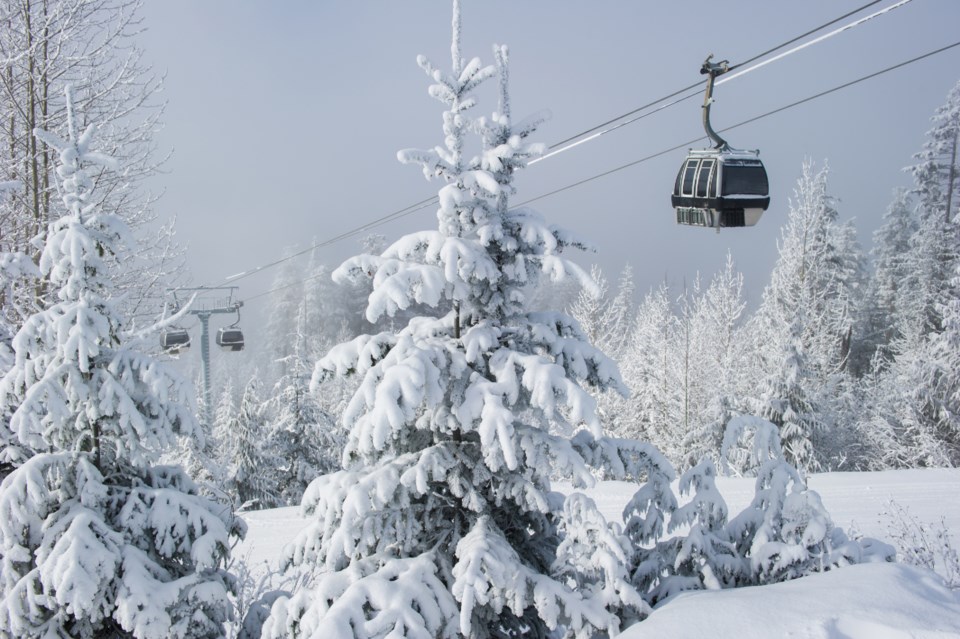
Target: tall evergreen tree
[[720, 364], [303, 438], [807, 312], [446, 495], [94, 539], [648, 371], [251, 465], [937, 172], [888, 296], [785, 402], [911, 416], [933, 248]]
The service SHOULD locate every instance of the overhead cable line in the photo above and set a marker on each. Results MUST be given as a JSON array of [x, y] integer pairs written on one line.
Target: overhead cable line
[[355, 231], [598, 130], [682, 145], [826, 36], [743, 123], [804, 35]]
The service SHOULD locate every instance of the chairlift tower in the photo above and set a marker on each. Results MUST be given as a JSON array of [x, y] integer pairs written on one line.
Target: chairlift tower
[[202, 302]]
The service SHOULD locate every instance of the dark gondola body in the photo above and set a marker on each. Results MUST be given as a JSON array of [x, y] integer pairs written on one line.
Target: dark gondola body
[[175, 341], [230, 339], [721, 188]]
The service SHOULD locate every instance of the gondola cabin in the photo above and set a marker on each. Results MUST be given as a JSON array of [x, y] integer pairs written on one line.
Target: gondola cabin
[[230, 339], [721, 189], [175, 342]]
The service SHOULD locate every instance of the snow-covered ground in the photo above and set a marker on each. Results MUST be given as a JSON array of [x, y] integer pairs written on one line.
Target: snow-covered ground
[[869, 601]]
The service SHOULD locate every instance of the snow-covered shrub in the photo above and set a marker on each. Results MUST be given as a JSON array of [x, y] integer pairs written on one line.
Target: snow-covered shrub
[[594, 558], [925, 544], [784, 533], [704, 557], [748, 442]]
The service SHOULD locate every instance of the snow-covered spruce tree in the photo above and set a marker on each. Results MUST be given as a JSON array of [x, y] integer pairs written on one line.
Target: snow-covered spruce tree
[[704, 558], [251, 464], [887, 295], [910, 417], [786, 532], [14, 267], [913, 402], [201, 454], [443, 523], [785, 401], [648, 371], [808, 307], [720, 361], [902, 419], [303, 438], [937, 172], [946, 348], [95, 540], [607, 322]]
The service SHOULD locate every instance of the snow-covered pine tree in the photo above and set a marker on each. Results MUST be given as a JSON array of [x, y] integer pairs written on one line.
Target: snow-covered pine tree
[[443, 523], [94, 539], [946, 348], [14, 268], [808, 309], [649, 373], [303, 438], [910, 416], [785, 402], [287, 291], [937, 172], [703, 558], [786, 532], [720, 364], [929, 259], [251, 464], [607, 321], [201, 454], [887, 296]]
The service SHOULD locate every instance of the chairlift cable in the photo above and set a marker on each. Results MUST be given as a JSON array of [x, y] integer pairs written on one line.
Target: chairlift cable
[[683, 145], [597, 131]]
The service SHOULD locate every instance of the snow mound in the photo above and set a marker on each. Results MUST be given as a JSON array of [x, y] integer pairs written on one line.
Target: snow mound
[[866, 601]]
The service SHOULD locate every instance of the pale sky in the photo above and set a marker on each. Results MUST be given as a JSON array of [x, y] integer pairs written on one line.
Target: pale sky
[[285, 117]]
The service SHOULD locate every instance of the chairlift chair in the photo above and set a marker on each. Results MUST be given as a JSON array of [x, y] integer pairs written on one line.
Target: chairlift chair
[[720, 187]]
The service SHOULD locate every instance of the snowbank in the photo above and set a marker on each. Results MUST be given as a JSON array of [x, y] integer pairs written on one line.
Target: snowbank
[[867, 601]]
